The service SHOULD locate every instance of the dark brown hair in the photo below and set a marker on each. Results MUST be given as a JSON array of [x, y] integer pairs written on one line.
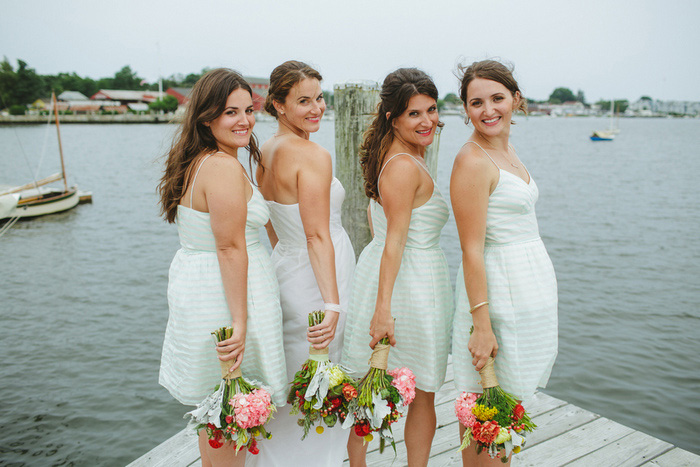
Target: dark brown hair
[[283, 78], [491, 70], [397, 89], [207, 102]]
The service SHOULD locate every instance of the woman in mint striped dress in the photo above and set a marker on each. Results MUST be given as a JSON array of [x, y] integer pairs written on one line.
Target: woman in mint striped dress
[[221, 275], [506, 280], [401, 288]]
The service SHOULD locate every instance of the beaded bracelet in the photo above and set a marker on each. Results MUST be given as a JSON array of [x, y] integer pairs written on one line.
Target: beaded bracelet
[[478, 306], [332, 307]]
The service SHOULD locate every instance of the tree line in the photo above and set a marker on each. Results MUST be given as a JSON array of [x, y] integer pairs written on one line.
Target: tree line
[[558, 96], [22, 85]]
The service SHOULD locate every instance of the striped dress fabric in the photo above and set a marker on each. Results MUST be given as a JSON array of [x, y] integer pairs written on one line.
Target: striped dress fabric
[[422, 299], [190, 367], [522, 294]]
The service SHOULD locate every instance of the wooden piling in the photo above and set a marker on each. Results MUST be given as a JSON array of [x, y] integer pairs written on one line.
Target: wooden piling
[[354, 105]]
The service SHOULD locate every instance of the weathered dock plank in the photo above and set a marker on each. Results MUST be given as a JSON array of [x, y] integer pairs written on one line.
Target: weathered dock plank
[[630, 451]]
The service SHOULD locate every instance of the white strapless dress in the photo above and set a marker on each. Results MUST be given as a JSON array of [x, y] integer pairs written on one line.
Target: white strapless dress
[[299, 295]]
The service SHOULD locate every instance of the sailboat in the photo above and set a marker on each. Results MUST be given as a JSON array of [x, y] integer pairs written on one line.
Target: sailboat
[[607, 135], [35, 199]]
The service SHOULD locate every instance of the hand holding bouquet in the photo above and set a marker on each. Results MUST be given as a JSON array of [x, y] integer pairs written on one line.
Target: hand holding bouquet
[[320, 390], [383, 398], [495, 420], [237, 410]]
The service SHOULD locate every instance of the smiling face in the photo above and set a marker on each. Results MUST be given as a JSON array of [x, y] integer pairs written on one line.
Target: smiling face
[[490, 106], [232, 129], [304, 106], [416, 126]]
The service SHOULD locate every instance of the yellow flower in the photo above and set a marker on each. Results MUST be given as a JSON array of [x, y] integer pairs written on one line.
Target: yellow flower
[[484, 413], [319, 429], [516, 449], [369, 437], [503, 436], [335, 376]]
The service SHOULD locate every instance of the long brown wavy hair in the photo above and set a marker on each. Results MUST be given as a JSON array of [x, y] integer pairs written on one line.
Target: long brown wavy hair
[[397, 89], [207, 102], [492, 70]]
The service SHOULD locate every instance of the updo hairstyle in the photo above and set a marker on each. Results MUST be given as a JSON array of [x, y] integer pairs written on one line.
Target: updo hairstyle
[[283, 78]]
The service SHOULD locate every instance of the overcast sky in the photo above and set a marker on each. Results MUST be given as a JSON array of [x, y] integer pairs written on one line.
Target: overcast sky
[[606, 48]]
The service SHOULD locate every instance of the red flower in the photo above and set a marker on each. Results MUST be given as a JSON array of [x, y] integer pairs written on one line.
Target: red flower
[[349, 391], [253, 448], [216, 443], [229, 419], [518, 412], [362, 429], [485, 433], [336, 402]]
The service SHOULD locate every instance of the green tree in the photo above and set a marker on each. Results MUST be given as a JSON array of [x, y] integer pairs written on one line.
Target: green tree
[[168, 104], [8, 80], [580, 97], [22, 86], [452, 98], [560, 95], [620, 105], [645, 98], [127, 79]]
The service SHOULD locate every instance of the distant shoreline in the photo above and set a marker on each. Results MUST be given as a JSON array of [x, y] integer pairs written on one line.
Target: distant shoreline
[[89, 118], [172, 118]]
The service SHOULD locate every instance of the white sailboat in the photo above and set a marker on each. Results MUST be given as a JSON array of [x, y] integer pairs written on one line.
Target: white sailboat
[[35, 199], [607, 135]]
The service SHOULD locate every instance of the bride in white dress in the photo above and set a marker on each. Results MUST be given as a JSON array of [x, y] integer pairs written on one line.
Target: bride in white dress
[[313, 257]]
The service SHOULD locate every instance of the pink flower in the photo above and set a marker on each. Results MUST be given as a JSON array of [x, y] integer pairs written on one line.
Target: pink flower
[[252, 409], [464, 404], [405, 381]]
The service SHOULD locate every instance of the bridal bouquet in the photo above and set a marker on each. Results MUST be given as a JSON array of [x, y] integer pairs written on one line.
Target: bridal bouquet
[[237, 410], [383, 398], [495, 420], [321, 390]]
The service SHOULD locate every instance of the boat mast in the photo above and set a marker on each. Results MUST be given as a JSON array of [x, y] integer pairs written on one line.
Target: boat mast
[[612, 115], [60, 146]]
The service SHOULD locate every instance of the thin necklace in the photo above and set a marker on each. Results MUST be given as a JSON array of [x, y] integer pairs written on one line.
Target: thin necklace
[[508, 160]]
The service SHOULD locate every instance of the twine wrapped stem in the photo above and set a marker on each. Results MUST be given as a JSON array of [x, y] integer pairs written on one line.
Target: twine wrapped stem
[[380, 356], [488, 375], [226, 366]]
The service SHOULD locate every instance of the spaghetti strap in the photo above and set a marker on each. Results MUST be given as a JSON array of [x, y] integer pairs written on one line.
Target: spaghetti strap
[[487, 154], [195, 177], [389, 160]]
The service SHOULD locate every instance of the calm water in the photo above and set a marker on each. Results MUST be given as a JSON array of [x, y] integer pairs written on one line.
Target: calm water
[[83, 303]]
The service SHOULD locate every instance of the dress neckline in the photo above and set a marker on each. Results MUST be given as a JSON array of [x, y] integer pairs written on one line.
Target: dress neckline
[[297, 203]]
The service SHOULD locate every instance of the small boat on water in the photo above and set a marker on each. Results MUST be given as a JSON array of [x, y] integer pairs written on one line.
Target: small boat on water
[[35, 199], [607, 135]]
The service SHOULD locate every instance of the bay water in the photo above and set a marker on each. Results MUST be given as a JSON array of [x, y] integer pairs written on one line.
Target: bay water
[[83, 293]]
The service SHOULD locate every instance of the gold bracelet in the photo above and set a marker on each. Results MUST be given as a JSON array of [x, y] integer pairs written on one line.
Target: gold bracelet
[[478, 306]]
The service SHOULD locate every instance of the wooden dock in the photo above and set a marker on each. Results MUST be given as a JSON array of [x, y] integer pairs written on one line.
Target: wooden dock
[[566, 435]]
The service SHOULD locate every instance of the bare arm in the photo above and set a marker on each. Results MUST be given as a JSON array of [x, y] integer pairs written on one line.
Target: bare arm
[[227, 191], [369, 219], [399, 185], [470, 187], [314, 188]]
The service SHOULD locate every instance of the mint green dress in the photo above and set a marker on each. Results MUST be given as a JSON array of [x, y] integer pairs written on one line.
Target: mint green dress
[[189, 367], [422, 299]]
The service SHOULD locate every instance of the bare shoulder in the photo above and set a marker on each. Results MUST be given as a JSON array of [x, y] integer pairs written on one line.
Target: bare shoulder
[[220, 166], [401, 172], [308, 155], [472, 161]]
